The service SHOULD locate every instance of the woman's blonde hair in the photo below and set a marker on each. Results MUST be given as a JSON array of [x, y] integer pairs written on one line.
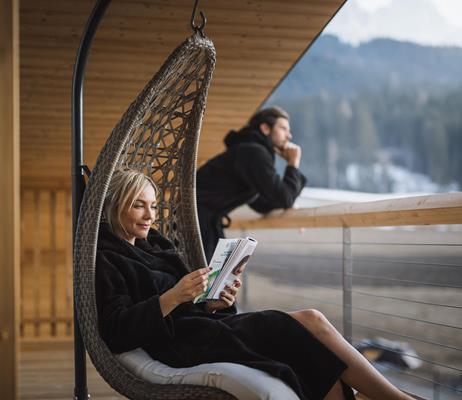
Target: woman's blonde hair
[[126, 185]]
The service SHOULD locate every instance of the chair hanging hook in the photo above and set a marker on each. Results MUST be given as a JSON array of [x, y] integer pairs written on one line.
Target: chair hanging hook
[[194, 27]]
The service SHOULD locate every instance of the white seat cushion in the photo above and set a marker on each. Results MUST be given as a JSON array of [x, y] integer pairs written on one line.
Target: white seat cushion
[[242, 382]]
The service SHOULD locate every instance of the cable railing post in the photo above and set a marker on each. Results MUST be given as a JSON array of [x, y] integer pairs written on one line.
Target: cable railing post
[[347, 270], [436, 383]]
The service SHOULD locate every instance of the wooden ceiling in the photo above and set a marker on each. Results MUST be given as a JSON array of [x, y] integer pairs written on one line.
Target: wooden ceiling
[[257, 41]]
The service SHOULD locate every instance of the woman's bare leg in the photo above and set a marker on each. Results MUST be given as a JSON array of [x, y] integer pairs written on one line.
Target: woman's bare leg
[[360, 374]]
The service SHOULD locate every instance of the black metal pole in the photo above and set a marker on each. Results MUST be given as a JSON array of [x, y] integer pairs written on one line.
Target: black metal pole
[[78, 182]]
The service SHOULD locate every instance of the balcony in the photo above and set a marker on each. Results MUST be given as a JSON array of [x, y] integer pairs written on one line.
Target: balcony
[[387, 269]]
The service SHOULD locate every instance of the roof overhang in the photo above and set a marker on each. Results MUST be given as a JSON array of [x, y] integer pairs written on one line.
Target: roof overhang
[[257, 41]]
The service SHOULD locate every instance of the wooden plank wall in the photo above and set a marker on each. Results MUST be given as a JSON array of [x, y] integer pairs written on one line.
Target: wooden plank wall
[[9, 197], [46, 263]]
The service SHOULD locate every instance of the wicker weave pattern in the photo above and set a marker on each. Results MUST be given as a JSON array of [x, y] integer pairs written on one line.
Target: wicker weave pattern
[[158, 135]]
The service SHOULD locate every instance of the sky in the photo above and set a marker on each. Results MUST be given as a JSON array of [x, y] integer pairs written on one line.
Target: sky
[[427, 22]]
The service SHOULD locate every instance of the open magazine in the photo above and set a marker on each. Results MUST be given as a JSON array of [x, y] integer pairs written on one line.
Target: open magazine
[[228, 260]]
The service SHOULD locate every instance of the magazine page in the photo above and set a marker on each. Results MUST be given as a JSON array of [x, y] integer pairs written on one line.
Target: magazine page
[[224, 270], [234, 266], [224, 249]]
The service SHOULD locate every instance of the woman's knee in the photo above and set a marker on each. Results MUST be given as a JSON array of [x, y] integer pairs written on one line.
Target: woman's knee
[[314, 316], [315, 321]]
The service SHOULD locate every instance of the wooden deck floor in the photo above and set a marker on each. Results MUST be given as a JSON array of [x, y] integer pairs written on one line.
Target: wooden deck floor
[[46, 371]]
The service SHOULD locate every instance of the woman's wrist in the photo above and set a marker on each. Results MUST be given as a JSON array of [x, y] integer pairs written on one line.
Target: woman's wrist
[[168, 302]]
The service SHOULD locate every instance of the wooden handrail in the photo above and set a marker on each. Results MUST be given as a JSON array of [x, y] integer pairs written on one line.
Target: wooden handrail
[[420, 210]]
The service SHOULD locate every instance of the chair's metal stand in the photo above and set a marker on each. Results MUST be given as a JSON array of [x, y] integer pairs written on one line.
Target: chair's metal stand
[[78, 169]]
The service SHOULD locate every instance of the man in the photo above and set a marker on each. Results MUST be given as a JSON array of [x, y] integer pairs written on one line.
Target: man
[[245, 173]]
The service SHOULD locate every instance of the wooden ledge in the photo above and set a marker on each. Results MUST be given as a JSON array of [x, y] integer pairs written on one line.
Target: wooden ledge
[[420, 210]]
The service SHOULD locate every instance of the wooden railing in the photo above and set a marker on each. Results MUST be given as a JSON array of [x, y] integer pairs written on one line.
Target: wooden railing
[[421, 210]]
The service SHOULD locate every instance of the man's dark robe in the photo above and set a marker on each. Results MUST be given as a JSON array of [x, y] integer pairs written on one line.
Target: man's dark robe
[[129, 281], [244, 173]]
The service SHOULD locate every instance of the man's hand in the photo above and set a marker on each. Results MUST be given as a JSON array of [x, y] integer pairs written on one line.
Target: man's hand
[[292, 153], [186, 289], [227, 297]]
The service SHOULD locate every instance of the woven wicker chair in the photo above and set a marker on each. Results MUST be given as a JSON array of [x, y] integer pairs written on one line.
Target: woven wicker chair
[[158, 135]]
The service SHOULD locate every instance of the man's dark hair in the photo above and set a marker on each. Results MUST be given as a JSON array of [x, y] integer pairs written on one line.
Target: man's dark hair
[[267, 115]]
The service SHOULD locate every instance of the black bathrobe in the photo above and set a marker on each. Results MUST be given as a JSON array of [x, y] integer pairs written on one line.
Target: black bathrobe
[[129, 281]]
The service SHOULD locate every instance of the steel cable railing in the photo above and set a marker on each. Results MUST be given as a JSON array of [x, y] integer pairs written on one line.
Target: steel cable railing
[[405, 281], [406, 318], [416, 263], [415, 300], [360, 292], [336, 304], [404, 372], [408, 337], [403, 353], [407, 244]]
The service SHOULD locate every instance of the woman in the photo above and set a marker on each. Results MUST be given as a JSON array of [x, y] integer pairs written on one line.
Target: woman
[[144, 297]]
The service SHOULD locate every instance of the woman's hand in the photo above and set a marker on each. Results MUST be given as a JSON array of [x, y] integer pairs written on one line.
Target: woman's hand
[[191, 285], [186, 289], [227, 297]]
